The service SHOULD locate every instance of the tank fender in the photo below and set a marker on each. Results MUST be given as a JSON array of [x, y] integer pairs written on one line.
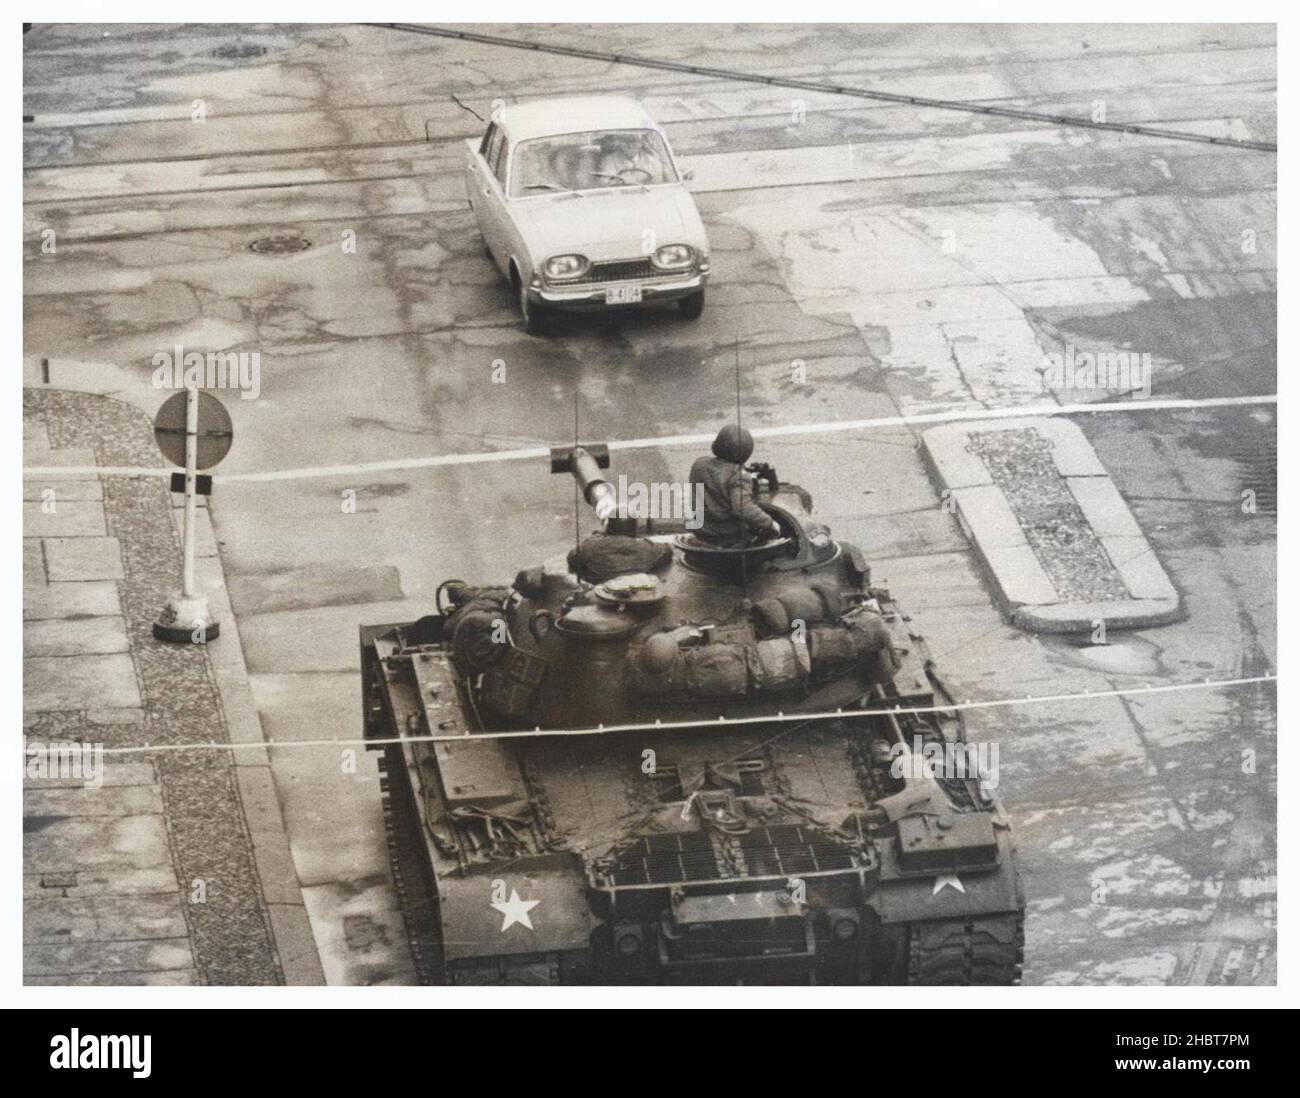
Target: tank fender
[[505, 911], [949, 893]]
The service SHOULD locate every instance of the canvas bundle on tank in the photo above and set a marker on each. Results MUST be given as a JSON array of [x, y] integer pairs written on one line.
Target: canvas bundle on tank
[[605, 556]]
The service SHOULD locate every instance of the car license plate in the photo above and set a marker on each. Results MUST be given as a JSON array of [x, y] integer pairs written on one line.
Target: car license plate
[[623, 295]]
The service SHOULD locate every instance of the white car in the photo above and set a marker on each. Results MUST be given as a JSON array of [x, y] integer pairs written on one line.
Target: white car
[[582, 206]]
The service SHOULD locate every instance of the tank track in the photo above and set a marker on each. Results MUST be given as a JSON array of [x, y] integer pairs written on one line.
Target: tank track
[[981, 950], [416, 895]]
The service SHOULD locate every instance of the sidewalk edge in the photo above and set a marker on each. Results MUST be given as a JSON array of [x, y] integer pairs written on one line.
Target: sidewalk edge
[[295, 944]]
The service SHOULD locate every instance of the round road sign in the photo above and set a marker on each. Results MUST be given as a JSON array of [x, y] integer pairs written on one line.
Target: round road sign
[[215, 431]]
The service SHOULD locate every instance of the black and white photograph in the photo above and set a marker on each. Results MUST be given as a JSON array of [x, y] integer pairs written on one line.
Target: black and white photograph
[[724, 505]]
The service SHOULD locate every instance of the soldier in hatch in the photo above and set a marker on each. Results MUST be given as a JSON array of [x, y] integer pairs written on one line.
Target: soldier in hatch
[[731, 517]]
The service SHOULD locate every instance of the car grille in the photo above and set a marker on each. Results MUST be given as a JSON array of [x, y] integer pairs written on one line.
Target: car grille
[[620, 270]]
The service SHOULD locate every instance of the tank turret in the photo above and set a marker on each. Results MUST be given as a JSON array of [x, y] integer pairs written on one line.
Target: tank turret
[[698, 760]]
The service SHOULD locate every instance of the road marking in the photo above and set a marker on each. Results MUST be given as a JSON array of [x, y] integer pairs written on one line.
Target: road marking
[[669, 726], [534, 453]]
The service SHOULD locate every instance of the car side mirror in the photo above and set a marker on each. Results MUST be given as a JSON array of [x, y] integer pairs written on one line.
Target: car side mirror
[[688, 175]]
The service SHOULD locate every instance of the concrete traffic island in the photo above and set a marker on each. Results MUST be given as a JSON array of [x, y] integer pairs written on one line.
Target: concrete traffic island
[[172, 867], [1057, 541]]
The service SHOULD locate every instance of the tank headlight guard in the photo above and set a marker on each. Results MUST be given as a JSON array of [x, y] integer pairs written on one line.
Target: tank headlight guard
[[628, 940], [845, 929]]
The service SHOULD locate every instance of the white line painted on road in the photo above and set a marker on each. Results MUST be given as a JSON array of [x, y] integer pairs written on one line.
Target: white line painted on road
[[670, 726], [793, 430]]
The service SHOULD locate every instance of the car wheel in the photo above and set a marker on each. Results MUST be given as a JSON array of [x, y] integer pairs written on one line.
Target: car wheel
[[692, 307], [534, 315]]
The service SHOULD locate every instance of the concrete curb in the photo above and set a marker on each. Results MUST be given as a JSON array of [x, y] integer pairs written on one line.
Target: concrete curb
[[295, 944], [1022, 587]]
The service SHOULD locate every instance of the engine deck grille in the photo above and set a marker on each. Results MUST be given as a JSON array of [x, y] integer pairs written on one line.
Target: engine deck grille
[[785, 850], [789, 850], [667, 859]]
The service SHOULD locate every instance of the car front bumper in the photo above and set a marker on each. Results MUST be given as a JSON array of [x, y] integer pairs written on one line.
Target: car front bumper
[[591, 296]]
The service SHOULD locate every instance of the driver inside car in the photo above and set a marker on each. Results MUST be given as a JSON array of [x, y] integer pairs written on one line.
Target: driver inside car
[[628, 157]]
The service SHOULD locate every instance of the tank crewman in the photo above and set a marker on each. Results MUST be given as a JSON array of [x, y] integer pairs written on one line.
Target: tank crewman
[[731, 516]]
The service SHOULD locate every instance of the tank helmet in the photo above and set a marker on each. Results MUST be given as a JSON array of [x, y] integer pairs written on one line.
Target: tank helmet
[[733, 444]]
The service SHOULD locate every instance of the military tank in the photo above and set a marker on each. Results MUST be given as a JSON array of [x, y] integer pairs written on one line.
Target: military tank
[[655, 760]]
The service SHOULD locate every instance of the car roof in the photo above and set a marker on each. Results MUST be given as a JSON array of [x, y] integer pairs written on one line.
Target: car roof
[[548, 117]]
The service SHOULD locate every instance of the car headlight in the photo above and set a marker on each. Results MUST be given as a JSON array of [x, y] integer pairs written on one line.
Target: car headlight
[[673, 257], [565, 266]]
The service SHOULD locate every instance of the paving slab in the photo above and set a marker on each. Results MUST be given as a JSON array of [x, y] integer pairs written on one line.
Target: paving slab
[[118, 770], [35, 434], [62, 490], [54, 844], [170, 977], [79, 682], [103, 919], [93, 881], [75, 637], [64, 458], [83, 558], [71, 600], [106, 958], [63, 518], [34, 574], [107, 800]]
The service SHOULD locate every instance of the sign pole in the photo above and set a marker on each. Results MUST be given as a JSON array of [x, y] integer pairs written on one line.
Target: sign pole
[[193, 431], [191, 469]]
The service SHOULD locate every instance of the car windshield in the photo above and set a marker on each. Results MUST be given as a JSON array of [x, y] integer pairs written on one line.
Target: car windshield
[[590, 161]]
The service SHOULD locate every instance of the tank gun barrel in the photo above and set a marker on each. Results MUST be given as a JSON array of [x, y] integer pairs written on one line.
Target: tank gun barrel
[[585, 463]]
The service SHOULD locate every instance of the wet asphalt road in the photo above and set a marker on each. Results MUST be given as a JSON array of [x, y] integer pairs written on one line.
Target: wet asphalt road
[[912, 259]]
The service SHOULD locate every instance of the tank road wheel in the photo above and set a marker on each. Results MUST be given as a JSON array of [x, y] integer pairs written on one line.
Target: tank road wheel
[[692, 307], [417, 898], [982, 950]]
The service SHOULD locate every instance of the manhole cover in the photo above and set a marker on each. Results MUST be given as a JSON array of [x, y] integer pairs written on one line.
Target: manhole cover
[[237, 50], [280, 244], [59, 880]]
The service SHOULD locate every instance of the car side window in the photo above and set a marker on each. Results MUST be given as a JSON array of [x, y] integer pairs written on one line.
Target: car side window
[[499, 167], [488, 134]]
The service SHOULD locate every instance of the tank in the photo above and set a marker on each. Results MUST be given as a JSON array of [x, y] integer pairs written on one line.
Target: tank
[[652, 760]]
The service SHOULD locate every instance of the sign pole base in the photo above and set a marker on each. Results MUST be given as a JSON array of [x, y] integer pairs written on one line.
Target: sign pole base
[[186, 620]]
